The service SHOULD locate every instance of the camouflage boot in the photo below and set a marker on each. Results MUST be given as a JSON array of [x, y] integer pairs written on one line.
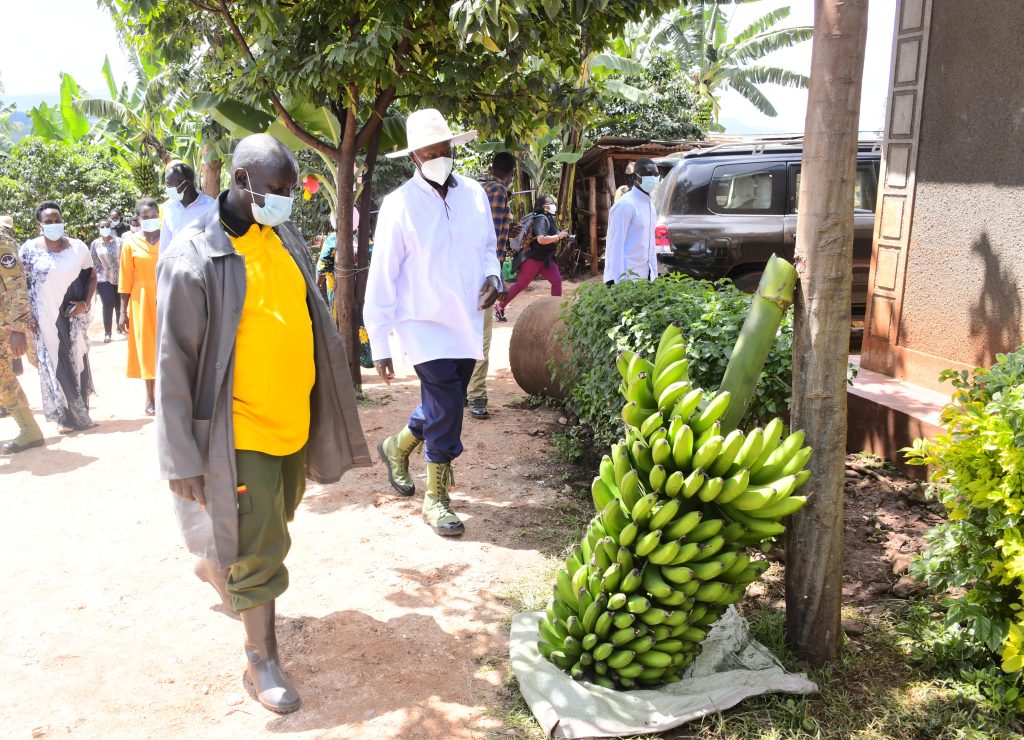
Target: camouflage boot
[[394, 453], [31, 435], [437, 510]]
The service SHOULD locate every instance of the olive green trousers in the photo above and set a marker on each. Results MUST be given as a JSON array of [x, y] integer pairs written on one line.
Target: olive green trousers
[[270, 489]]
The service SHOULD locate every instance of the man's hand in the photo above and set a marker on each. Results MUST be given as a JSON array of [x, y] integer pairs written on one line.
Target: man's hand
[[385, 370], [18, 343], [80, 308], [491, 291], [122, 322], [190, 489]]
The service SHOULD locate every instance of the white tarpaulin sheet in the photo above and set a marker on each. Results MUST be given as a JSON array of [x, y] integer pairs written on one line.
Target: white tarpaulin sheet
[[731, 668]]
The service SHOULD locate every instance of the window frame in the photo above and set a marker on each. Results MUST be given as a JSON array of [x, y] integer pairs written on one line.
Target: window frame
[[776, 169]]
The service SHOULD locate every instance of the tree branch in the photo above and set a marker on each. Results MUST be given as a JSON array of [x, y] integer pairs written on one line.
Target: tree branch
[[300, 133], [203, 6]]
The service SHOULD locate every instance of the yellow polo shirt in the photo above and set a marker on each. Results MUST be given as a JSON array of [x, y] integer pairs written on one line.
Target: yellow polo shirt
[[274, 366]]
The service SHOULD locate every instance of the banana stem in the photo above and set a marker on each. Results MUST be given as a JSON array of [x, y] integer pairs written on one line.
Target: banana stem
[[767, 308]]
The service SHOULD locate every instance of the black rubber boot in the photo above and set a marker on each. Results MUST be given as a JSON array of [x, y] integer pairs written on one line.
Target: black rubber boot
[[264, 676]]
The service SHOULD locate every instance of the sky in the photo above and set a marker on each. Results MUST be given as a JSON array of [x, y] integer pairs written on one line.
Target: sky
[[78, 35]]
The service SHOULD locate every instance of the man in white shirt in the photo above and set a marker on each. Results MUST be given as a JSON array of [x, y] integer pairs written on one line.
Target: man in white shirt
[[184, 203], [434, 272], [630, 252]]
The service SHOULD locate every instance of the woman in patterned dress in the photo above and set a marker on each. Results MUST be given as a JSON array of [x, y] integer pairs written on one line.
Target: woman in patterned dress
[[61, 287], [137, 286], [106, 256]]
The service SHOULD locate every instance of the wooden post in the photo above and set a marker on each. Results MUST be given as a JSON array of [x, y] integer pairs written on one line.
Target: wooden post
[[824, 252], [609, 178], [592, 207]]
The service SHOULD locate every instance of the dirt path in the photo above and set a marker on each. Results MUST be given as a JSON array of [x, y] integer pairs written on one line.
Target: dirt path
[[387, 630]]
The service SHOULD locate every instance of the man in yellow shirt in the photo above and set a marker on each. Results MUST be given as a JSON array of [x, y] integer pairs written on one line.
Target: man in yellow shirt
[[254, 395]]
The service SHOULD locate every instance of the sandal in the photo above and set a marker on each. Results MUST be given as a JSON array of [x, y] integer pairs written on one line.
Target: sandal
[[499, 315]]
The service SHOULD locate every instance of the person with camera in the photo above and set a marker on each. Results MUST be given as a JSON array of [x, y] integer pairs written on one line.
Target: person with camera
[[537, 254]]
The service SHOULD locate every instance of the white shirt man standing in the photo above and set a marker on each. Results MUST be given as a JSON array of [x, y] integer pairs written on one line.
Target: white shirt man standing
[[434, 273], [630, 252], [184, 204]]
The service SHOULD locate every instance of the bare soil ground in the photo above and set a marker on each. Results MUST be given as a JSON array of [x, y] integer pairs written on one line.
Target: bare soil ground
[[387, 630]]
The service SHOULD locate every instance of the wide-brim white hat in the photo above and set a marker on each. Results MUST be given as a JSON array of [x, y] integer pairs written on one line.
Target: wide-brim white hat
[[427, 127]]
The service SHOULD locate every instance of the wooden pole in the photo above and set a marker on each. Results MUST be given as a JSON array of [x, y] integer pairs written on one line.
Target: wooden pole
[[592, 206], [821, 336]]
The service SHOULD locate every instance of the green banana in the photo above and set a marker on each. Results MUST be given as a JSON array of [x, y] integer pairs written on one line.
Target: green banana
[[733, 531], [773, 431], [750, 450], [654, 659], [754, 497], [715, 430], [621, 620], [693, 634], [639, 390], [710, 592], [682, 448], [783, 508], [712, 568], [661, 453], [801, 478], [658, 478], [682, 526], [600, 493], [710, 490], [576, 631], [714, 410], [622, 361], [616, 601], [620, 659], [629, 489], [620, 462], [642, 511], [685, 406], [669, 395], [677, 574], [693, 483], [630, 582], [603, 626], [625, 560], [733, 487], [646, 544], [686, 553], [613, 518], [548, 633], [638, 364], [566, 593], [705, 530], [650, 424], [780, 457], [628, 534], [637, 604], [665, 552], [738, 566], [589, 642], [657, 434], [654, 584], [634, 414], [602, 651], [706, 454], [759, 528], [642, 456], [674, 484], [641, 644], [664, 514], [612, 578], [546, 648], [797, 462], [671, 335], [628, 673], [709, 548], [730, 449], [674, 599], [562, 659], [606, 471], [653, 616]]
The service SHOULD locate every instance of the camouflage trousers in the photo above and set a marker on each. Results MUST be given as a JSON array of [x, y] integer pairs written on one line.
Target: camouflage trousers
[[11, 394]]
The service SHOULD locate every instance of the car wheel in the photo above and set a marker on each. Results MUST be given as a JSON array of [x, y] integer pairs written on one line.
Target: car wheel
[[747, 281]]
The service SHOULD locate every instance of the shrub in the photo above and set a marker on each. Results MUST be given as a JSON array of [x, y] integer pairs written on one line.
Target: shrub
[[976, 558], [83, 178], [601, 320]]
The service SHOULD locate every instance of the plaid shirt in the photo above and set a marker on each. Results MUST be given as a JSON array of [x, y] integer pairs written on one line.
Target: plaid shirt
[[501, 214]]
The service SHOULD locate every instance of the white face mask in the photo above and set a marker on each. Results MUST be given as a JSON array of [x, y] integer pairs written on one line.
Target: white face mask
[[105, 231], [115, 222], [173, 194], [276, 209], [648, 183], [550, 208], [150, 225], [53, 232], [438, 170], [135, 229]]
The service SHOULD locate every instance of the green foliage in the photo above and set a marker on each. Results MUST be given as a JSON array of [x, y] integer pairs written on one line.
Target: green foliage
[[600, 321], [81, 177], [668, 114], [975, 560]]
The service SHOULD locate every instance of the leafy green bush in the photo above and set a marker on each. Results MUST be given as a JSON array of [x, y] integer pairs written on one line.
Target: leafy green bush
[[975, 560], [601, 320], [83, 178]]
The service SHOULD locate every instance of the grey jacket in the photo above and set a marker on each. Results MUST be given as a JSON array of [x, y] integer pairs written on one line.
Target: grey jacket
[[201, 288]]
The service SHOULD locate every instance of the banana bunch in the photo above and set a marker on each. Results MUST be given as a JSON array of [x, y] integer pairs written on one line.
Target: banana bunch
[[678, 502]]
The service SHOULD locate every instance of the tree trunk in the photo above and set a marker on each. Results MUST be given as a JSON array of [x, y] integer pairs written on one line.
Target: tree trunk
[[344, 263], [824, 248], [209, 178], [365, 206]]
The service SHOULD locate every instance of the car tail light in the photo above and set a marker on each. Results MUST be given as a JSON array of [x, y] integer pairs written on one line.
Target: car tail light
[[661, 240]]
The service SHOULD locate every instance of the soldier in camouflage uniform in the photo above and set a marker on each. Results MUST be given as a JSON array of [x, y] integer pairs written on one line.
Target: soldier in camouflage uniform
[[16, 326]]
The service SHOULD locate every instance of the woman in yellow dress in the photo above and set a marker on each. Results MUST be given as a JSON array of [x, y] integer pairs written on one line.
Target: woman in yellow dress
[[137, 286]]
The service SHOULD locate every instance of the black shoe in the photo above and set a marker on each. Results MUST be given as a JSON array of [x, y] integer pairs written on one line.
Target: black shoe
[[4, 412], [478, 408], [499, 315]]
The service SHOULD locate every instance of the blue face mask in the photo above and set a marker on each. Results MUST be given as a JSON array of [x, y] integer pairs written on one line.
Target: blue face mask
[[648, 183], [53, 232], [150, 225], [105, 231], [276, 209]]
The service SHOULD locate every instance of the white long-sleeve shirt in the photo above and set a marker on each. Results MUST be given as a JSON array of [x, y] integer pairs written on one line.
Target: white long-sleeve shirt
[[177, 216], [430, 259], [629, 244]]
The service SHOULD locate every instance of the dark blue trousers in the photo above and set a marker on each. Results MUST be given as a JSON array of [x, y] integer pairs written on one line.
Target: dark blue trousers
[[437, 419]]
